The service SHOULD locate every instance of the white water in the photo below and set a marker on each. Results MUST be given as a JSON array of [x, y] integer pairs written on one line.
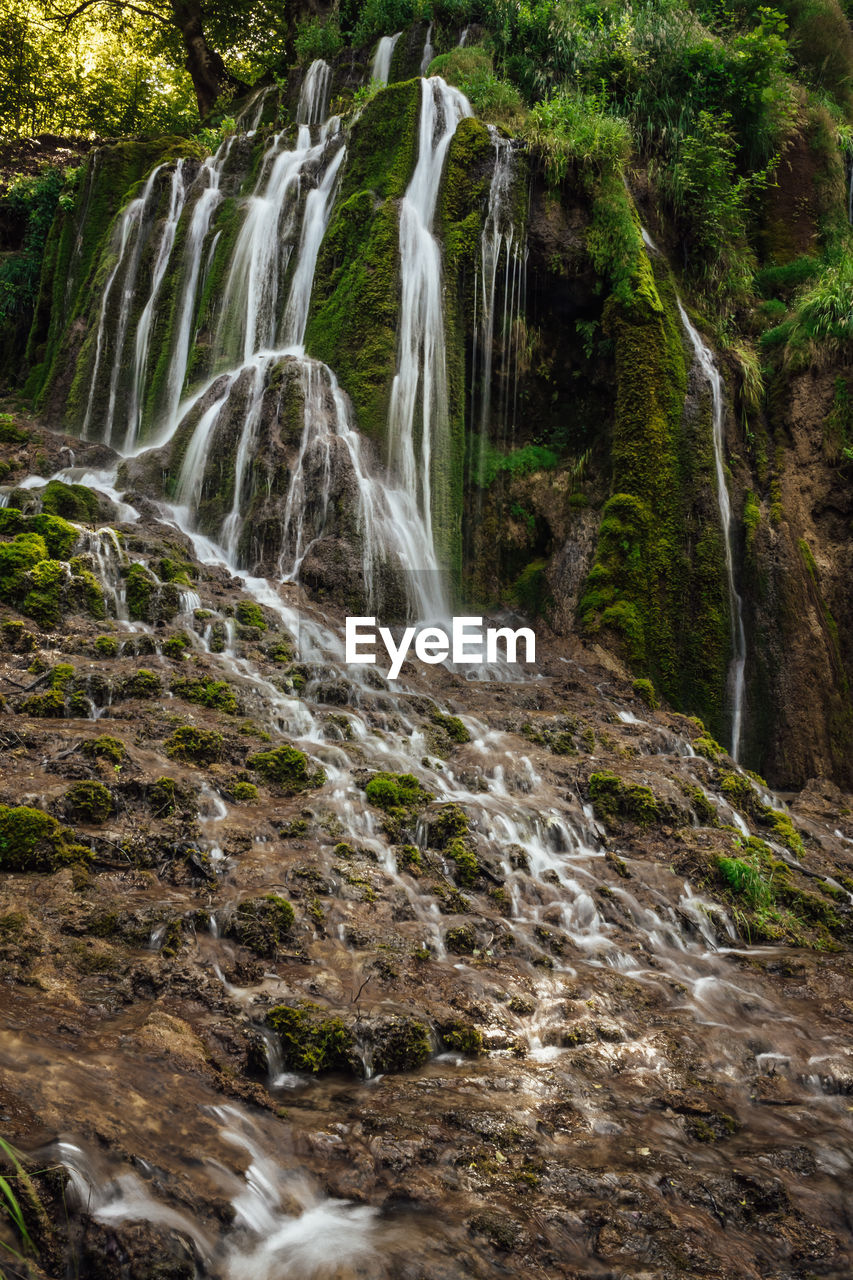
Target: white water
[[738, 663], [500, 240], [418, 428], [381, 66], [146, 320]]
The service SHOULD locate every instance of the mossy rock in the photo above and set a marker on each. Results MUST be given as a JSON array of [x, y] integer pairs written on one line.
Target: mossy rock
[[106, 646], [615, 801], [400, 1044], [142, 684], [448, 824], [261, 923], [461, 941], [88, 802], [249, 614], [396, 793], [104, 747], [31, 840], [216, 694], [461, 1036], [287, 769], [311, 1040], [141, 586], [195, 746], [71, 501]]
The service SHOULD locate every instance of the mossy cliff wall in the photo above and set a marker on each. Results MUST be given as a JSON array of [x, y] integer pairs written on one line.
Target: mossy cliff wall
[[78, 257], [657, 584]]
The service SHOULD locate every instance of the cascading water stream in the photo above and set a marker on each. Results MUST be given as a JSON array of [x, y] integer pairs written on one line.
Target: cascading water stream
[[418, 427], [738, 663], [146, 320], [380, 68]]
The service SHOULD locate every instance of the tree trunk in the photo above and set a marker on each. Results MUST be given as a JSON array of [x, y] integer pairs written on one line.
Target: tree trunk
[[209, 75]]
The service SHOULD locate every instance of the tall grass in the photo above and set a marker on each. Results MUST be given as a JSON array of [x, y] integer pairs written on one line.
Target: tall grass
[[10, 1204]]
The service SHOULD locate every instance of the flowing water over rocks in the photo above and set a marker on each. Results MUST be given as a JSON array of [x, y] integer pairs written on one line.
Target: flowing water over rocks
[[309, 973]]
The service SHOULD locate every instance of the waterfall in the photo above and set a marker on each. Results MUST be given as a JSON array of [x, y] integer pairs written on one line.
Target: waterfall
[[738, 663], [146, 320], [315, 93], [420, 382], [429, 52], [129, 239], [381, 66], [500, 238]]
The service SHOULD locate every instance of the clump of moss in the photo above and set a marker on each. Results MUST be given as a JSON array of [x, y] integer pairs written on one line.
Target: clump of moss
[[104, 748], [452, 726], [249, 614], [141, 585], [72, 501], [400, 1044], [52, 703], [614, 800], [462, 1037], [310, 1040], [706, 746], [396, 793], [31, 840], [645, 691], [216, 694], [176, 645], [280, 651], [286, 768], [88, 802], [244, 793], [17, 637], [142, 684], [106, 647], [195, 746], [465, 860], [448, 824], [409, 857], [461, 941], [261, 923]]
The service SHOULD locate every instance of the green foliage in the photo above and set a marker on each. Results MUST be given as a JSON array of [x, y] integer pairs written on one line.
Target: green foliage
[[316, 38], [823, 320], [88, 802], [490, 462], [465, 860], [141, 586], [195, 746], [309, 1040], [31, 840], [493, 99], [10, 1205], [216, 694], [645, 691], [286, 768], [579, 132], [71, 501]]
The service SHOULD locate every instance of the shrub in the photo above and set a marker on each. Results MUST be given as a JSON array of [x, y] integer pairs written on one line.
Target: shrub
[[471, 70], [317, 39], [577, 131]]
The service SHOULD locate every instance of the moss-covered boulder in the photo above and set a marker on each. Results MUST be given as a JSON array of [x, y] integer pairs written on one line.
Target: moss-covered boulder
[[261, 924], [313, 1040], [286, 769], [31, 840]]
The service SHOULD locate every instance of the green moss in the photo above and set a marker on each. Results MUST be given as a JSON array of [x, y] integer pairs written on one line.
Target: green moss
[[280, 651], [244, 793], [409, 857], [657, 583], [72, 501], [614, 800], [175, 646], [706, 746], [106, 647], [401, 1044], [452, 726], [461, 940], [88, 802], [311, 1041], [462, 1037], [448, 824], [287, 769], [141, 586], [215, 694], [195, 746], [261, 923], [142, 684], [31, 840], [43, 602], [17, 557], [249, 614], [645, 691], [465, 860], [396, 792], [104, 748]]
